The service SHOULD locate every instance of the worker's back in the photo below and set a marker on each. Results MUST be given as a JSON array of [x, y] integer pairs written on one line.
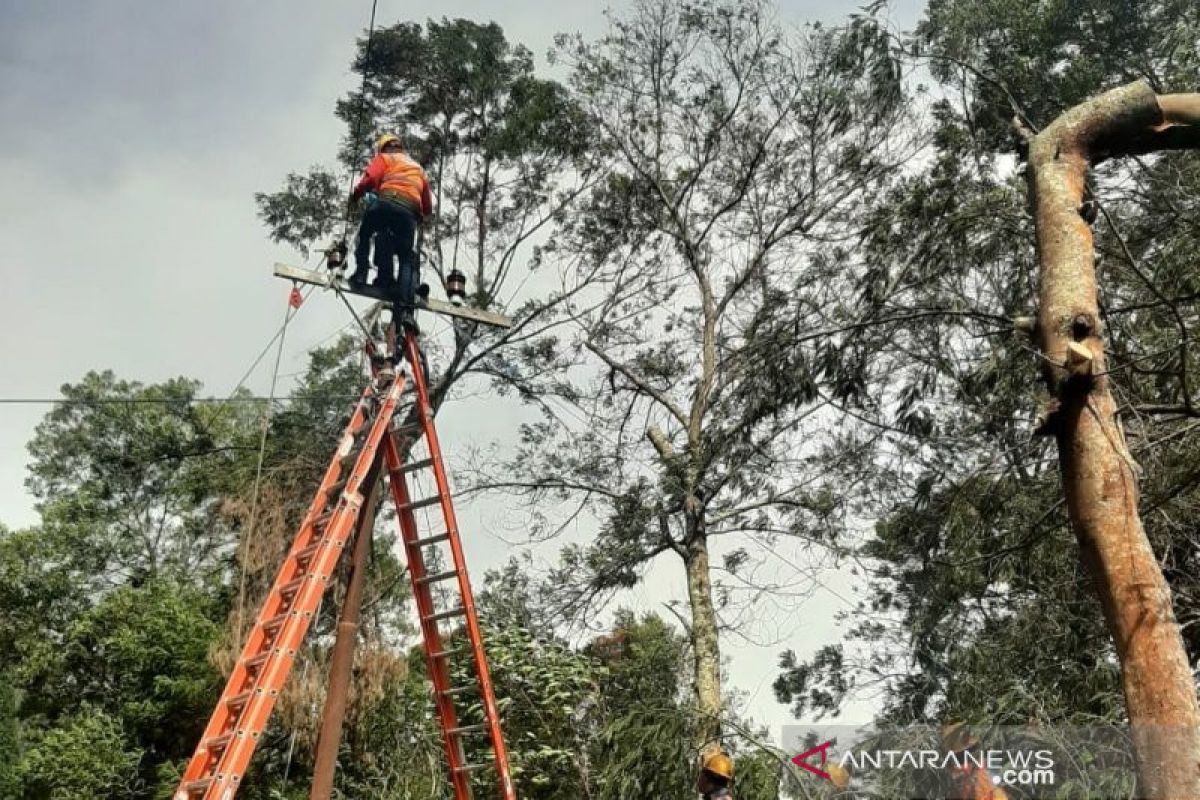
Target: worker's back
[[403, 180]]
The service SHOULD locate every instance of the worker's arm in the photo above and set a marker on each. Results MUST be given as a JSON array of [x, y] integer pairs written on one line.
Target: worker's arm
[[371, 178]]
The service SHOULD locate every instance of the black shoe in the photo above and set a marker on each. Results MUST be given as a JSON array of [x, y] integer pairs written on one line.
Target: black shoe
[[423, 291], [409, 323], [358, 279]]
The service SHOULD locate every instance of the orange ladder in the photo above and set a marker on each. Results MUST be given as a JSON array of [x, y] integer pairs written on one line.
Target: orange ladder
[[223, 754], [438, 656]]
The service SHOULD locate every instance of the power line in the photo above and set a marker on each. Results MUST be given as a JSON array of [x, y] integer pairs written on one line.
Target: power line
[[163, 401], [356, 132], [103, 401]]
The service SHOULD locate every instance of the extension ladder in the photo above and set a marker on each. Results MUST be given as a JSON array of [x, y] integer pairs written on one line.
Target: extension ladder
[[371, 437]]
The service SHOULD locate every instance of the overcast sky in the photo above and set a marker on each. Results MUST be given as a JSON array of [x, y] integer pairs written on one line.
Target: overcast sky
[[133, 136]]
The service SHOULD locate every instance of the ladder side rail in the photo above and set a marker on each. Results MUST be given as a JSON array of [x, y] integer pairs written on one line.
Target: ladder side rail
[[307, 535], [439, 671], [227, 769], [259, 707], [222, 718], [345, 446], [253, 719], [491, 710]]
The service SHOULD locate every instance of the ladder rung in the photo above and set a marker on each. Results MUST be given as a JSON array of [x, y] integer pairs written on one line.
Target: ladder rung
[[441, 537], [422, 503], [471, 767], [305, 556], [240, 700], [276, 622], [337, 488], [454, 651], [413, 466], [438, 576], [467, 729], [457, 690], [406, 428], [454, 612], [323, 520], [254, 662], [198, 787], [218, 743], [290, 588]]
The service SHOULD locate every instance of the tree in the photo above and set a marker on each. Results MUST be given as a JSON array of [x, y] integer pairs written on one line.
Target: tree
[[89, 757], [502, 148], [979, 589], [9, 743], [141, 655], [497, 141], [731, 152], [1098, 474], [127, 479]]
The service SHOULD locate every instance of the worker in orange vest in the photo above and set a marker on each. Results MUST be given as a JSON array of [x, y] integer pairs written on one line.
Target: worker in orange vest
[[969, 781], [402, 200], [716, 776]]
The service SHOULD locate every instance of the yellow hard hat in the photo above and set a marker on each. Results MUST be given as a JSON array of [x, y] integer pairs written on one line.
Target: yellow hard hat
[[718, 764], [839, 776], [386, 139]]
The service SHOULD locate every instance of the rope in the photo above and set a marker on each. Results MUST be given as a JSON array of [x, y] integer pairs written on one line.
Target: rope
[[342, 295], [287, 765], [278, 335], [282, 333], [258, 470], [356, 131]]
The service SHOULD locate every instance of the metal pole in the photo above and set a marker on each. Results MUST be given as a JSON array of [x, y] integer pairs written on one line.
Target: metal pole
[[340, 667]]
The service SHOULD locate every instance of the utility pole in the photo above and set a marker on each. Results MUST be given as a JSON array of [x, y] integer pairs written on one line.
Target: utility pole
[[341, 665]]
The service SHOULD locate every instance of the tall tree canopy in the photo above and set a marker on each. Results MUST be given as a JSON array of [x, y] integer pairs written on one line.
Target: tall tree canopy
[[975, 576], [732, 154]]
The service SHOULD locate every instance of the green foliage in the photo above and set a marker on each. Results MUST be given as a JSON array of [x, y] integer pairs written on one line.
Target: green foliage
[[977, 606], [645, 746], [127, 477], [89, 756], [457, 85], [818, 686], [10, 743], [40, 595], [1038, 59], [306, 210], [142, 655]]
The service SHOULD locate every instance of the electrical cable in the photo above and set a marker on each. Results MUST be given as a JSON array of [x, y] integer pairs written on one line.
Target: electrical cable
[[356, 131], [262, 450]]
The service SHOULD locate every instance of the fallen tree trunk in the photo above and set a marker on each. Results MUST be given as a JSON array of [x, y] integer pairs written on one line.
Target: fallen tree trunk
[[1099, 479]]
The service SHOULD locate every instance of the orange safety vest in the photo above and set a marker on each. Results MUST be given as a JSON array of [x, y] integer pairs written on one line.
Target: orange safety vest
[[403, 178], [976, 784]]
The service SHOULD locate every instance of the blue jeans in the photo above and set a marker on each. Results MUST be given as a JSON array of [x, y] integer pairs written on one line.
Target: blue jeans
[[396, 234], [368, 227]]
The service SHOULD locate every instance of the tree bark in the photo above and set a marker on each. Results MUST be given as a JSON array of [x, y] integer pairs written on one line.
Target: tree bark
[[707, 662], [1098, 474], [341, 664]]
